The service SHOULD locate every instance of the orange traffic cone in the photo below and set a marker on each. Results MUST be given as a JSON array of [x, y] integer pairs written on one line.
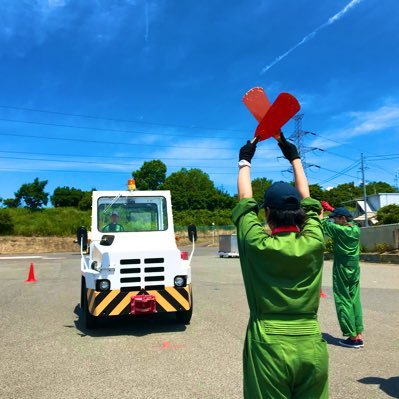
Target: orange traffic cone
[[322, 294], [31, 277]]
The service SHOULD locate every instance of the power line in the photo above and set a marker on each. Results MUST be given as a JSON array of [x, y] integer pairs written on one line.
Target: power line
[[125, 164], [105, 129], [30, 170], [109, 142], [337, 155], [108, 156], [105, 163], [379, 167], [118, 119], [383, 155], [384, 159], [341, 173], [324, 137]]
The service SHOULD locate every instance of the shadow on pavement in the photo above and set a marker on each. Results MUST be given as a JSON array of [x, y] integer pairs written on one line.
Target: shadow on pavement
[[388, 385], [137, 326], [331, 340]]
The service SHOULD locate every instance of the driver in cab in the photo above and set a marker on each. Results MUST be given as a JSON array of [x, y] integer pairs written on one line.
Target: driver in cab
[[113, 226]]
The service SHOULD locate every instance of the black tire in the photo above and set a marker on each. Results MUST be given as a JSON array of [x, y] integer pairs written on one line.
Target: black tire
[[184, 317], [88, 320]]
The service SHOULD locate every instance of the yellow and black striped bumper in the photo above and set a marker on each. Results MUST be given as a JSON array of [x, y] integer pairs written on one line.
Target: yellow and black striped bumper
[[117, 303]]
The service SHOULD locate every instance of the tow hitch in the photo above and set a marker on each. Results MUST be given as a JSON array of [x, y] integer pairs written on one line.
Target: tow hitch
[[143, 304]]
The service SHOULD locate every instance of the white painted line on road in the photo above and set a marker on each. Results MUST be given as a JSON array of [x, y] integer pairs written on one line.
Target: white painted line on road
[[28, 257], [20, 257]]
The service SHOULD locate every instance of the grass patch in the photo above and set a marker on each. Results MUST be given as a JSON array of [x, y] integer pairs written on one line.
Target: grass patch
[[62, 222]]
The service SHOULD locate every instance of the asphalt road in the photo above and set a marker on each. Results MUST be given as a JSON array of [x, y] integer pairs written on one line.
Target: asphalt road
[[46, 353]]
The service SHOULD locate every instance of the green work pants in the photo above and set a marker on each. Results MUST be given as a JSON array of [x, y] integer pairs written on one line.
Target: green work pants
[[286, 367], [346, 284]]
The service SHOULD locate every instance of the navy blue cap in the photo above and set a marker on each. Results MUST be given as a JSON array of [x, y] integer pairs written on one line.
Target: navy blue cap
[[341, 211], [283, 196]]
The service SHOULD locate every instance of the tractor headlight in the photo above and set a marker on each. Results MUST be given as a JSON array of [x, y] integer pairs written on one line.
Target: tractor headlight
[[103, 285], [95, 266], [180, 281]]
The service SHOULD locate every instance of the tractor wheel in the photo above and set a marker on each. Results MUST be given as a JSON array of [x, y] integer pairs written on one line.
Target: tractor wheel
[[88, 320], [184, 317]]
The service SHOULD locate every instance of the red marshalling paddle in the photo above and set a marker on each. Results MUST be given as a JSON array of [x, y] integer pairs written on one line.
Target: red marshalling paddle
[[257, 102], [270, 117]]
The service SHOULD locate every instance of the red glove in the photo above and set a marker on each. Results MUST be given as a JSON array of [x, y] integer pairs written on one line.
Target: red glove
[[326, 206]]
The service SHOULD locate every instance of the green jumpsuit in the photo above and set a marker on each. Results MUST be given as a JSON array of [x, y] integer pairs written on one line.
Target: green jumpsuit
[[346, 276], [112, 228], [284, 353]]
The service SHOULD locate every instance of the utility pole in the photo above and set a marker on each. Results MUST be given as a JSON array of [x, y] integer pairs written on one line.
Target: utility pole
[[366, 221], [298, 138], [396, 180]]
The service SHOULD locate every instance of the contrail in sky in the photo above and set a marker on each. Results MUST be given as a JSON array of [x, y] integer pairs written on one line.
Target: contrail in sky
[[311, 35], [146, 23]]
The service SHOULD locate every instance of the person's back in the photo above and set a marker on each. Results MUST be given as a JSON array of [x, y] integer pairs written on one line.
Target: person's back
[[345, 238], [283, 265], [284, 353]]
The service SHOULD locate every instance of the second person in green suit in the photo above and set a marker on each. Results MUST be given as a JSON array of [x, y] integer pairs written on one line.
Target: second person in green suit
[[345, 237]]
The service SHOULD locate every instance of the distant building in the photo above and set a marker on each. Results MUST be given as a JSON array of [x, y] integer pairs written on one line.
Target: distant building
[[373, 203]]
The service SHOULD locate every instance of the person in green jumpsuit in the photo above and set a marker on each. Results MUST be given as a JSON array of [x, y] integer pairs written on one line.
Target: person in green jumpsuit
[[114, 226], [346, 275], [284, 353]]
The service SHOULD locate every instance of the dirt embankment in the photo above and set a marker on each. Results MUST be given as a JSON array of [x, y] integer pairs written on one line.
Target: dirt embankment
[[35, 245]]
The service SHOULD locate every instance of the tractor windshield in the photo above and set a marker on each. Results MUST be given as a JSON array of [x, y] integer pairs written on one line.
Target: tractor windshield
[[131, 214]]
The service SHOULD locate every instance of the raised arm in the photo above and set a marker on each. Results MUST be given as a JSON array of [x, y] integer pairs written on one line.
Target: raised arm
[[290, 151], [301, 181], [244, 172]]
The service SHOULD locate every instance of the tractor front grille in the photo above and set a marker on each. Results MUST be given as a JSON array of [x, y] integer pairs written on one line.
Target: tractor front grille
[[146, 274]]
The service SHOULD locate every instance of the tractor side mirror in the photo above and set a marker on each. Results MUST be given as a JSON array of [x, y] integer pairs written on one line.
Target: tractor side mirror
[[192, 232], [82, 237], [107, 240]]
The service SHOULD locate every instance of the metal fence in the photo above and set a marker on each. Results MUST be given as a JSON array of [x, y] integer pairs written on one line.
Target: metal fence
[[370, 238], [206, 231]]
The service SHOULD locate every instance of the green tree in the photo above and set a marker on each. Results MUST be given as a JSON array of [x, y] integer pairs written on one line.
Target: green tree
[[150, 176], [342, 194], [388, 214], [377, 187], [6, 223], [86, 200], [12, 202], [191, 189], [66, 196], [32, 194], [259, 186], [317, 192], [223, 200]]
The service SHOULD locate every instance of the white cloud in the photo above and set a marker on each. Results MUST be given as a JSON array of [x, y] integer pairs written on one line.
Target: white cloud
[[312, 34], [30, 23], [360, 123], [56, 3]]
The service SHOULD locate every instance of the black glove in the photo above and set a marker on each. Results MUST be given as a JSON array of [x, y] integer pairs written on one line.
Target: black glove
[[288, 149], [247, 151]]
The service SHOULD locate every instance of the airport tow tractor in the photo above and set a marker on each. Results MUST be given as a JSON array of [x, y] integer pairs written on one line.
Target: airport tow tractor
[[132, 265]]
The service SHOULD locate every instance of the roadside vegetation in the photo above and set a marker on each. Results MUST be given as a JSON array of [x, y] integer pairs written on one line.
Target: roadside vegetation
[[195, 200]]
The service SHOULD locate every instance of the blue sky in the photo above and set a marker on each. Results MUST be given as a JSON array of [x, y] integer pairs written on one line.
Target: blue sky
[[133, 80]]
